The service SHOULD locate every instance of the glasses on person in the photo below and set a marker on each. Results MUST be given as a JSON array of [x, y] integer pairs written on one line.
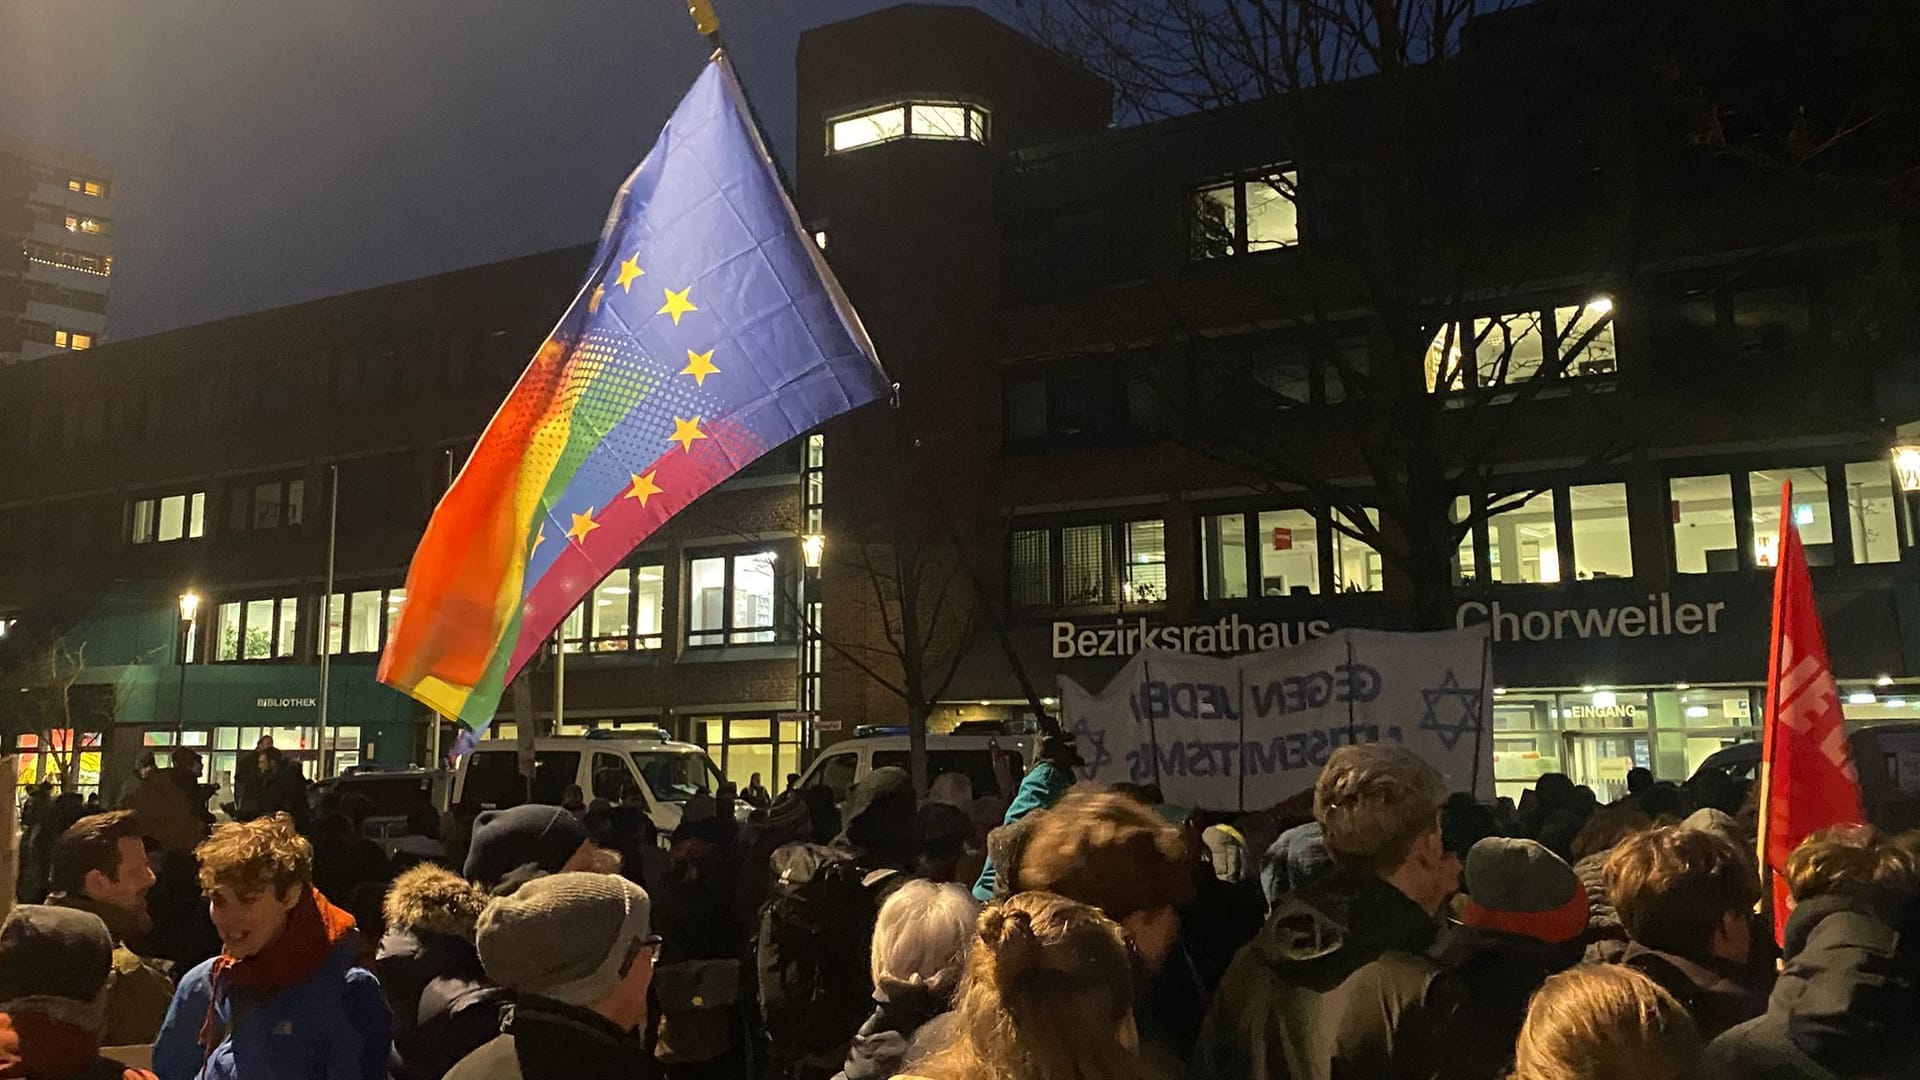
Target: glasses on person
[[635, 947]]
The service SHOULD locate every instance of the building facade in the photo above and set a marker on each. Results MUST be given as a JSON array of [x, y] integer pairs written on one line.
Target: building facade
[[226, 460], [1176, 385], [56, 251], [1173, 350]]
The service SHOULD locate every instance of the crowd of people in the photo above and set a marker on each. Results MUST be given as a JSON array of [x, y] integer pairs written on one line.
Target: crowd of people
[[1375, 927]]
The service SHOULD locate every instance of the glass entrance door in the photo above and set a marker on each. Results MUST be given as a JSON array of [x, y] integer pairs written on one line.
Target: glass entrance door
[[1601, 760]]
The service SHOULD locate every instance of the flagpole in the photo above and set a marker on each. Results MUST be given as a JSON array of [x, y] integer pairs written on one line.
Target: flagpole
[[559, 675], [326, 613], [1769, 719]]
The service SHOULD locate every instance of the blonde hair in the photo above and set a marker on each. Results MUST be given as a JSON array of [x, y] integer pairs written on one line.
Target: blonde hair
[[1604, 1022], [923, 935], [1048, 995], [1374, 802], [251, 856]]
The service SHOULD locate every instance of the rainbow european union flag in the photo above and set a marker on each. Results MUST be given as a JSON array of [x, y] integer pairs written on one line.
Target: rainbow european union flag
[[708, 331]]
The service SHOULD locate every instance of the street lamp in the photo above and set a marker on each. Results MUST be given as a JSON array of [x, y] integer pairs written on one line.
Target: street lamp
[[813, 546], [189, 608], [1906, 464]]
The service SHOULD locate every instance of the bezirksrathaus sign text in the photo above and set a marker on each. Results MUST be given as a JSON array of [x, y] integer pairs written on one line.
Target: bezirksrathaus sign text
[[1656, 616]]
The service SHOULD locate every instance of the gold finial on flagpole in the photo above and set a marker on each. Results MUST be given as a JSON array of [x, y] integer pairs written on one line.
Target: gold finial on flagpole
[[704, 19]]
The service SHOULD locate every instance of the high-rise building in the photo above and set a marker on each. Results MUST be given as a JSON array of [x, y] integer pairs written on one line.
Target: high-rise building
[[56, 251]]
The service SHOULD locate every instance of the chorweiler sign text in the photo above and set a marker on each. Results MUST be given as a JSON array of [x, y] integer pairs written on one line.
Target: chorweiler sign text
[[1656, 616]]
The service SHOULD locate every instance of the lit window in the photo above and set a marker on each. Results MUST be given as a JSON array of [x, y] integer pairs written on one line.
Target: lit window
[[80, 223], [1356, 565], [1223, 550], [1087, 564], [82, 341], [1810, 514], [1031, 576], [1602, 542], [286, 626], [256, 642], [1289, 553], [226, 631], [908, 120], [1258, 213], [622, 612], [62, 339], [1146, 565], [869, 128], [141, 521], [84, 186], [365, 613], [1704, 537], [1522, 543], [939, 121], [1464, 562], [1492, 351], [1872, 513], [732, 599]]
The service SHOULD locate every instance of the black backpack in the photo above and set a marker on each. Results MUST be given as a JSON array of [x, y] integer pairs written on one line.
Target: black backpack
[[812, 953]]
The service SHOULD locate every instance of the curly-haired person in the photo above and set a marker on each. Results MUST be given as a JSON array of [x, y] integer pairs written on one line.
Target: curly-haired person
[[286, 998]]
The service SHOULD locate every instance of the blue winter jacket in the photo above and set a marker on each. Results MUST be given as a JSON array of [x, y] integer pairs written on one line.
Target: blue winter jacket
[[334, 1026]]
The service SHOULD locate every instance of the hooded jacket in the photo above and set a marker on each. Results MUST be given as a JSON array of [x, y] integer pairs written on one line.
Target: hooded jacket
[[443, 1004], [1846, 1001], [882, 829], [39, 1046], [1338, 984]]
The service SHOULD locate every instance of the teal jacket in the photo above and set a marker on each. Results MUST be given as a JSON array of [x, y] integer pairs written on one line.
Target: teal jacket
[[1039, 789]]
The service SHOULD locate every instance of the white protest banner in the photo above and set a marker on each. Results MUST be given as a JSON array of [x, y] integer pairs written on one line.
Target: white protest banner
[[1246, 732]]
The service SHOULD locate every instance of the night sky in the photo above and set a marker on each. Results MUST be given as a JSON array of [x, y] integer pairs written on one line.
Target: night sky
[[268, 152]]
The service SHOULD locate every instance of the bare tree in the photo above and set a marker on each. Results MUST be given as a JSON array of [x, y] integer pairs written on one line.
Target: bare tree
[[39, 690]]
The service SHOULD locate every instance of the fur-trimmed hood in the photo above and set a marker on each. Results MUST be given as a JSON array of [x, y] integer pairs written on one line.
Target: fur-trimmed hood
[[431, 899]]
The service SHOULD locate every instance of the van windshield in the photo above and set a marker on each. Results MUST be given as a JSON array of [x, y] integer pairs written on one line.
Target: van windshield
[[676, 777]]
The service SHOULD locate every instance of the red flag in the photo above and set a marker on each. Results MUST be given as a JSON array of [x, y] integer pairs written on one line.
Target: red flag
[[1807, 781]]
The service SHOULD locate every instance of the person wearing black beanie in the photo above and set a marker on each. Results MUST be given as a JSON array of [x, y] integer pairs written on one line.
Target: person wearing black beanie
[[512, 844]]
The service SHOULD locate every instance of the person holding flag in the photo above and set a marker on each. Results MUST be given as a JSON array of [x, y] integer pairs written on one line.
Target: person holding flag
[[707, 332], [1807, 779]]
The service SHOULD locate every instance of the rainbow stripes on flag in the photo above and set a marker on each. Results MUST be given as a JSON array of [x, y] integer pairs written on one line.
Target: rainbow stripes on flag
[[708, 331]]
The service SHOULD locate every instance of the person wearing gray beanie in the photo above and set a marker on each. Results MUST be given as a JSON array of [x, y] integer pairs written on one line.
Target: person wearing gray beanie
[[577, 949], [54, 967]]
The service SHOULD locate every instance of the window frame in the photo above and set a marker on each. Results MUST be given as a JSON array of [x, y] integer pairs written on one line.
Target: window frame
[[1326, 536], [1237, 245], [785, 556], [977, 121], [586, 614], [1117, 530], [154, 503], [278, 650], [1466, 341], [387, 594]]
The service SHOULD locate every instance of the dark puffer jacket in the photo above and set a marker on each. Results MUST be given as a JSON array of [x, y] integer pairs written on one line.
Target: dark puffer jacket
[[1498, 972], [1846, 1002], [1336, 985], [443, 1005], [1718, 994]]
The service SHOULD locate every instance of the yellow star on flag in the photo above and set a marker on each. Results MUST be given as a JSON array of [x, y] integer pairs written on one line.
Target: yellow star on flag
[[685, 432], [582, 525], [643, 487], [593, 302], [700, 365], [628, 271], [677, 304], [538, 539]]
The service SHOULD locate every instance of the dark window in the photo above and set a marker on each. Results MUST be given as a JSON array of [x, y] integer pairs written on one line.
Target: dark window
[[1032, 568], [494, 780], [676, 777], [836, 774], [1771, 318], [611, 780], [975, 765]]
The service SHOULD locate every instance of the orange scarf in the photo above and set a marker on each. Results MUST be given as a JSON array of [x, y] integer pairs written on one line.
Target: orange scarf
[[314, 929]]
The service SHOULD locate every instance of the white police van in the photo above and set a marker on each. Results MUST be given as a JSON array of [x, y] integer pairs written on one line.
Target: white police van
[[632, 762]]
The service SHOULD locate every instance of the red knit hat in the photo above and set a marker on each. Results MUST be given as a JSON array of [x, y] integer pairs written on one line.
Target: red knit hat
[[1519, 887]]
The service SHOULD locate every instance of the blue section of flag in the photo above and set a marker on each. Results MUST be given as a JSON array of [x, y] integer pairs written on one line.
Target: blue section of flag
[[705, 217]]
